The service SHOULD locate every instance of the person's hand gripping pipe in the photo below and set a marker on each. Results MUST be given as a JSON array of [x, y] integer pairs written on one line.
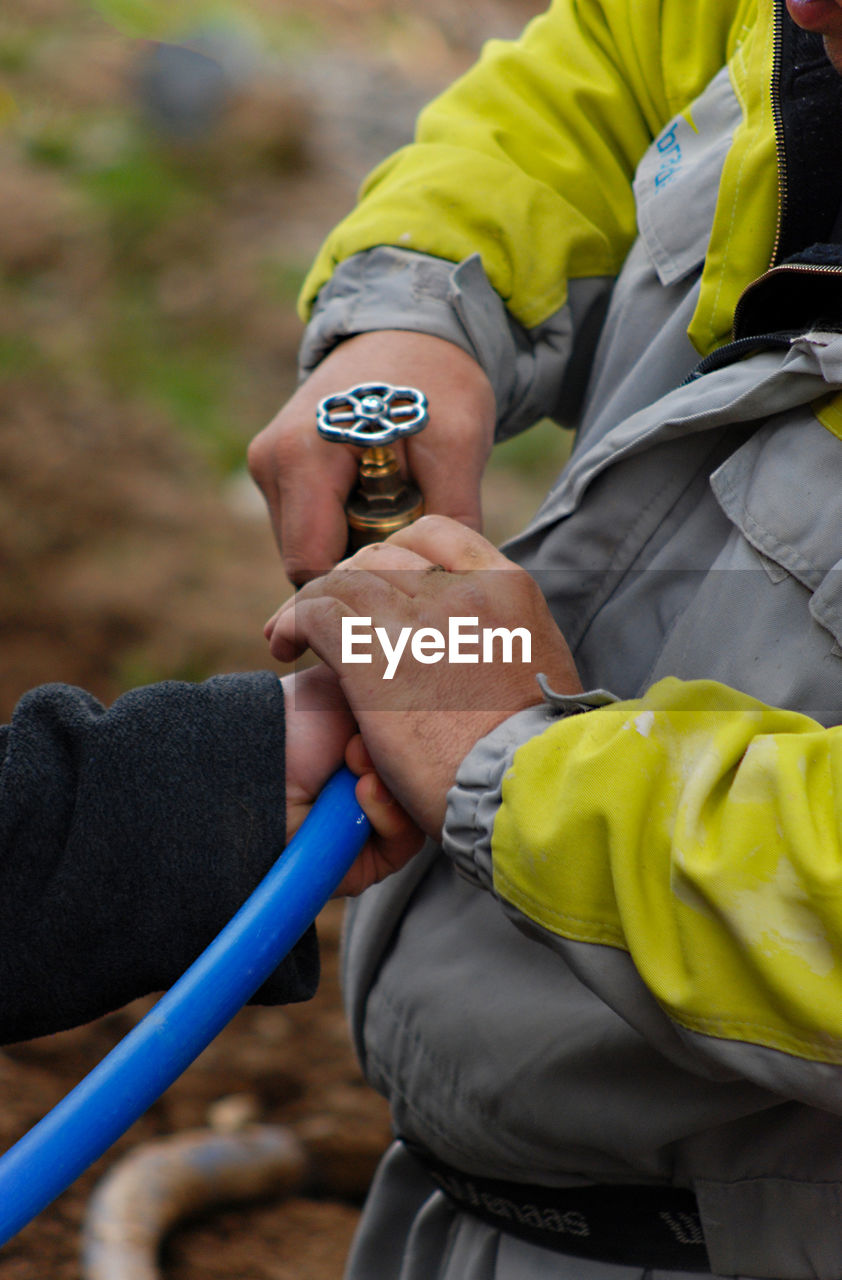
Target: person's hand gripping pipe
[[319, 857]]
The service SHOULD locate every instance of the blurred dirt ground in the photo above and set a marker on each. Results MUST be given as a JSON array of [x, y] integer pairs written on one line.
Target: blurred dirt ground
[[152, 242]]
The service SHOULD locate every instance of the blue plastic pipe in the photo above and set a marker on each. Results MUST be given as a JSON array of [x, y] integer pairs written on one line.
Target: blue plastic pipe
[[137, 1071]]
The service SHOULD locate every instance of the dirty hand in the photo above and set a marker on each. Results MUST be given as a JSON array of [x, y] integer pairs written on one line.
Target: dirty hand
[[420, 714], [306, 480], [320, 733]]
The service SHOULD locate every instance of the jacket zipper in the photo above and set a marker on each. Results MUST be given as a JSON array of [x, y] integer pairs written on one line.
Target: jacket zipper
[[780, 152], [778, 124], [783, 182], [736, 350], [816, 269]]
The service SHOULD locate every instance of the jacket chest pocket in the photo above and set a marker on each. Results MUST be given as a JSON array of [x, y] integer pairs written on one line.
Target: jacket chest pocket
[[677, 181], [767, 616]]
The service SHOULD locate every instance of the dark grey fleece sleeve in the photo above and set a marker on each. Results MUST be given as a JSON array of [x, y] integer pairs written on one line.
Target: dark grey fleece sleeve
[[129, 837]]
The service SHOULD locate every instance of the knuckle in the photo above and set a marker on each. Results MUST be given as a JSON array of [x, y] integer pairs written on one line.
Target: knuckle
[[431, 521], [435, 525], [283, 453], [278, 442], [256, 459]]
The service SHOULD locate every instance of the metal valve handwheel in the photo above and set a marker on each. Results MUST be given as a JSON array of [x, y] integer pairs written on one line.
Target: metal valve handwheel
[[372, 414]]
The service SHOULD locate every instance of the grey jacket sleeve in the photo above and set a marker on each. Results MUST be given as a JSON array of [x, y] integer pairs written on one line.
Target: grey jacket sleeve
[[129, 837], [535, 373], [476, 795]]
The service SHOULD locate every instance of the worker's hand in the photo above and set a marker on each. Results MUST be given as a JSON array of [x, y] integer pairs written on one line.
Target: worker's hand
[[420, 722], [320, 734], [306, 480]]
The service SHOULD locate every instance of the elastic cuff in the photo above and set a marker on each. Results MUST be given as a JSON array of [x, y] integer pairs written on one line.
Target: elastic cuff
[[475, 797], [383, 288]]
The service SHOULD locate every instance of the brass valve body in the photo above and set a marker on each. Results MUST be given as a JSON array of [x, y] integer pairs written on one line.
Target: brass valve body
[[383, 502]]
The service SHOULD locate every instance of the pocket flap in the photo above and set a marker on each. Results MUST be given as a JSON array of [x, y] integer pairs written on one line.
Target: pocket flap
[[783, 491]]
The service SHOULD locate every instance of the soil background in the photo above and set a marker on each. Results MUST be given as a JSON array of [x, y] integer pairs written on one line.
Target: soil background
[[166, 173]]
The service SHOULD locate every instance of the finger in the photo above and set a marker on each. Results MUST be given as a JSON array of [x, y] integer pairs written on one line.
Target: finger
[[452, 490], [356, 756], [448, 457], [398, 566], [450, 544], [305, 621], [377, 803], [312, 624], [394, 841], [397, 836], [335, 582], [313, 526], [305, 481]]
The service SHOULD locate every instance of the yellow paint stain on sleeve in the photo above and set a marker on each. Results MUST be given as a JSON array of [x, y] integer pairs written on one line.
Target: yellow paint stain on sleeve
[[775, 915]]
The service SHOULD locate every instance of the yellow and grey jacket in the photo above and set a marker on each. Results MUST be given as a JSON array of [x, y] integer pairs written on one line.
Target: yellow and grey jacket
[[626, 215]]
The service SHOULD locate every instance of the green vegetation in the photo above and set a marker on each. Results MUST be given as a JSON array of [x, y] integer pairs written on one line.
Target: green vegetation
[[19, 355], [191, 378], [154, 19], [536, 454], [140, 191]]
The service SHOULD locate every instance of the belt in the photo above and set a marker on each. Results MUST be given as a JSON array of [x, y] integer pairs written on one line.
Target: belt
[[652, 1227]]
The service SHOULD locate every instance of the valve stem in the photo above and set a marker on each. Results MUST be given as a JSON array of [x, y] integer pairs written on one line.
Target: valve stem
[[383, 501]]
